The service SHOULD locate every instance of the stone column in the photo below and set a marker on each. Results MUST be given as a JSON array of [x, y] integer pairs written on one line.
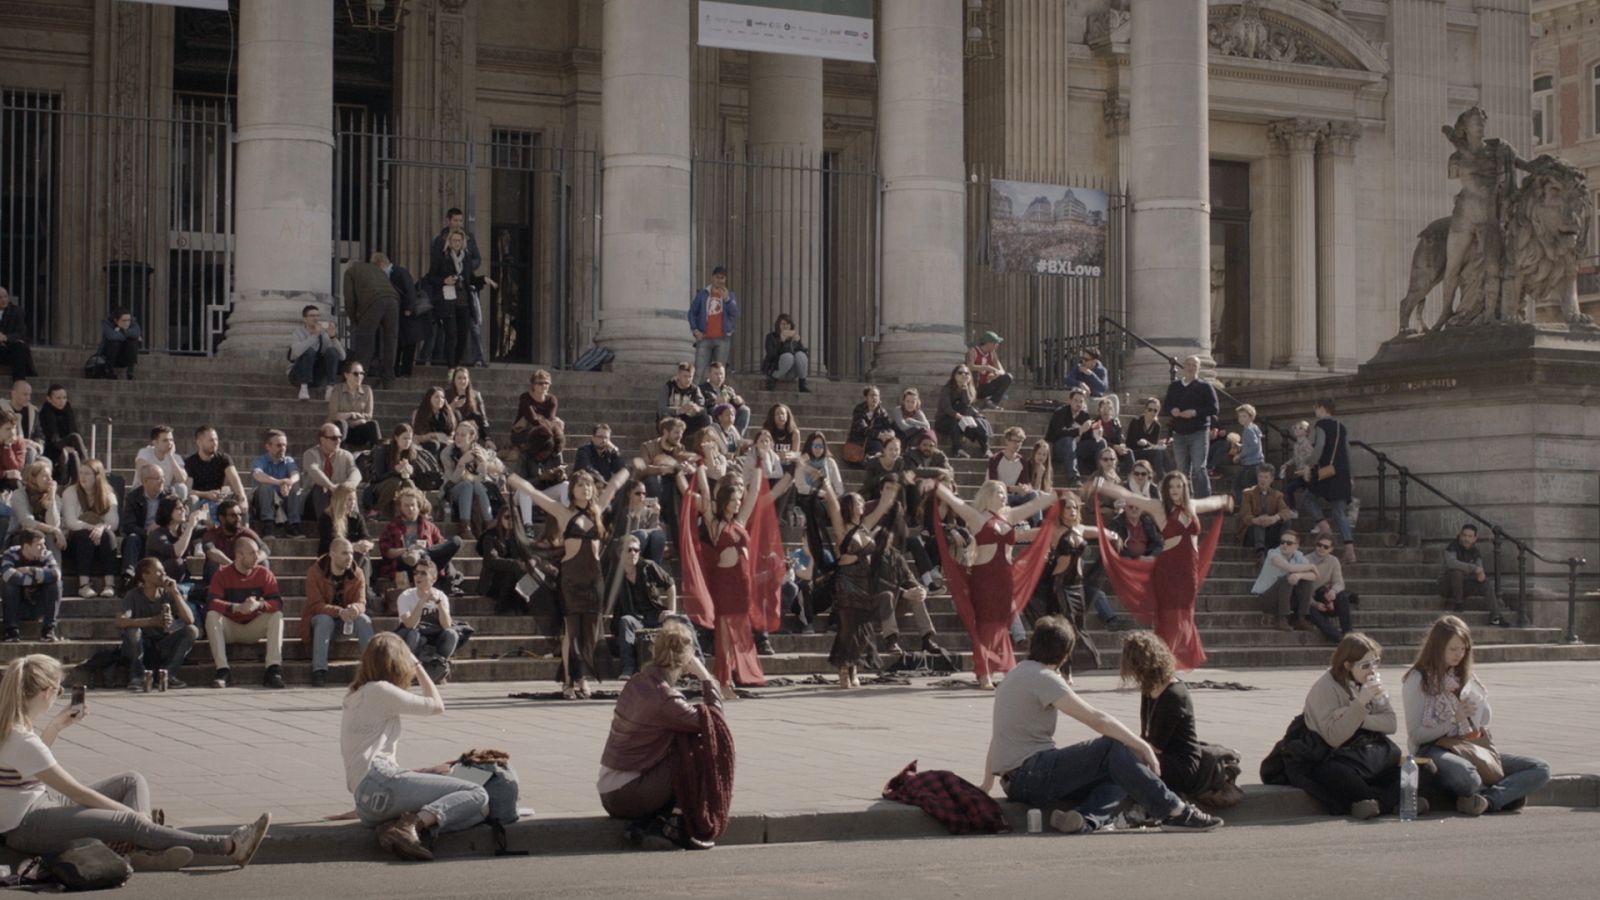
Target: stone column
[[924, 194], [1115, 113], [646, 284], [785, 145], [1336, 246], [283, 188], [1419, 97], [1170, 180], [1301, 136]]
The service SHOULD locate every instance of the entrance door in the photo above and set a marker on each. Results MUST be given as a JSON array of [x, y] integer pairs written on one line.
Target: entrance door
[[1230, 263]]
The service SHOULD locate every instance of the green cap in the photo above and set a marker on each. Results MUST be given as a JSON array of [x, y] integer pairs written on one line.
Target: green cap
[[990, 337]]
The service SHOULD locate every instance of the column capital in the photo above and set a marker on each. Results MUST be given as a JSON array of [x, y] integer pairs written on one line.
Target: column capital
[[1297, 135], [1339, 138], [1115, 112]]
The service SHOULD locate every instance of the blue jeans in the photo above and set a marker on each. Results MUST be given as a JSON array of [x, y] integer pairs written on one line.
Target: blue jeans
[[652, 544], [323, 629], [172, 648], [1524, 775], [5, 523], [444, 643], [389, 792], [1338, 511], [1096, 775], [791, 365], [42, 601], [315, 368], [1064, 455], [1190, 452], [628, 628], [709, 350], [264, 502], [741, 418], [464, 494]]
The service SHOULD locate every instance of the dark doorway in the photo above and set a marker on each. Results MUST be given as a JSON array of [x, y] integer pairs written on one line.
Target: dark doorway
[[1230, 263]]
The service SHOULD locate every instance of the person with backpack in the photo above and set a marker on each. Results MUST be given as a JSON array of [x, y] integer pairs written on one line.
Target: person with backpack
[[43, 808]]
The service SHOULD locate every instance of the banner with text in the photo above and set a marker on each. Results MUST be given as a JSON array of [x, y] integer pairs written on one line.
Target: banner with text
[[1046, 229], [832, 29]]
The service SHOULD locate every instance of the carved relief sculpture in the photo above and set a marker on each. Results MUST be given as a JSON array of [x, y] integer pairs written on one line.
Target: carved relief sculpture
[[1246, 33]]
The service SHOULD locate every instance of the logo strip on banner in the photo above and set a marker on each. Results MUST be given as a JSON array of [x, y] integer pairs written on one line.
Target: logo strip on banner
[[832, 29]]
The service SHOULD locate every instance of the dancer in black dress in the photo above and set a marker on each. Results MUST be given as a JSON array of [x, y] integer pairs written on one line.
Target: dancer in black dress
[[855, 594]]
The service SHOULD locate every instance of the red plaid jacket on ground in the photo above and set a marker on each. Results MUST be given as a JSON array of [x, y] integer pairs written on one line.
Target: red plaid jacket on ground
[[958, 804]]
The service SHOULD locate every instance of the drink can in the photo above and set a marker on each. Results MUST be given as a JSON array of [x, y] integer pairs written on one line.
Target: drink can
[[161, 681], [349, 627], [149, 681], [1035, 821]]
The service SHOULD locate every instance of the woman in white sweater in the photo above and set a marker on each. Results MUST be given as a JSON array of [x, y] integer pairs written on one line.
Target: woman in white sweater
[[89, 516], [1348, 699], [404, 803], [1445, 704]]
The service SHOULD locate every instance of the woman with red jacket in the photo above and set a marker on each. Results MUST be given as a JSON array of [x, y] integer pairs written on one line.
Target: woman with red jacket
[[411, 535]]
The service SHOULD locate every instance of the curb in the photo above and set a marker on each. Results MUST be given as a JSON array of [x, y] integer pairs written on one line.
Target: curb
[[843, 821]]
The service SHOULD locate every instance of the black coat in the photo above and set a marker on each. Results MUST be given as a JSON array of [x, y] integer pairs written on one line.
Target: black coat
[[1335, 452], [411, 318], [12, 323], [776, 347]]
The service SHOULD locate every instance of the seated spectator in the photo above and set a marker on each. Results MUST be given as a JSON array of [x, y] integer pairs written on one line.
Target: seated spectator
[[212, 477], [958, 418], [1068, 424], [780, 424], [908, 418], [350, 407], [120, 338], [885, 468], [221, 540], [245, 606], [1098, 773], [665, 457], [397, 464], [138, 519], [278, 490], [600, 455], [1189, 766], [716, 390], [1329, 599], [1104, 432], [411, 537], [1090, 375], [729, 435], [1137, 531], [172, 542], [1349, 710], [1303, 455], [336, 606], [681, 397], [58, 428], [784, 355], [406, 806], [869, 423], [1263, 512], [13, 459], [162, 454], [537, 431], [640, 764], [1251, 455], [707, 444], [31, 580], [342, 520], [814, 467], [1142, 480], [925, 457], [641, 595], [508, 557], [1144, 437], [470, 470], [1008, 465], [1284, 583], [434, 422], [1447, 707], [467, 402], [50, 809], [425, 613], [314, 353], [36, 506], [992, 379], [328, 466], [27, 416], [1463, 573], [89, 517], [1105, 473], [14, 349], [639, 515], [156, 624]]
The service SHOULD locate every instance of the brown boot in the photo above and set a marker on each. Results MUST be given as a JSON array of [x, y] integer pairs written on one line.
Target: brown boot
[[400, 838]]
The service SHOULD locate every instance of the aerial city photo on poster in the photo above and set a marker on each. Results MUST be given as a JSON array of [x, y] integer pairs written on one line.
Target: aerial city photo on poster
[[1047, 229]]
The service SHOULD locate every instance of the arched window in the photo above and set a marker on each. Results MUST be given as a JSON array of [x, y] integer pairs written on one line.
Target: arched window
[[1544, 105]]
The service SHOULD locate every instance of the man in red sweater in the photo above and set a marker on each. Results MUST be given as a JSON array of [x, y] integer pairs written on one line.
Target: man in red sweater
[[244, 606]]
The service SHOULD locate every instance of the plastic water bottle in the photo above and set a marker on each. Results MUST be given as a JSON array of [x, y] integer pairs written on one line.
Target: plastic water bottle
[[1408, 789]]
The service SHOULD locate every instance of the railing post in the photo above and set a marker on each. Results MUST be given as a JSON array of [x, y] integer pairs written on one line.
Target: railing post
[[1404, 485], [1383, 491], [1499, 585], [1572, 600], [1522, 576]]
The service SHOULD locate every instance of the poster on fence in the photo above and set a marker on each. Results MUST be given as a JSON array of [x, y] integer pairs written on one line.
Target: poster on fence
[[832, 29], [1046, 229]]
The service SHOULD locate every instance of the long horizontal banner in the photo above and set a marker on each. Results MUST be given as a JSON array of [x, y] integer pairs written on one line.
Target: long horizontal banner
[[832, 29]]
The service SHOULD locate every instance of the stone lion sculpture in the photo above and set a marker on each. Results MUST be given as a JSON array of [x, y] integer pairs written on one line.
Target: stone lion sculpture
[[1546, 229]]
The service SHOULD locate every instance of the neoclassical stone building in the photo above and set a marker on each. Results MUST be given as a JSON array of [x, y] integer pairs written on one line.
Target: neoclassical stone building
[[1271, 162], [1565, 81]]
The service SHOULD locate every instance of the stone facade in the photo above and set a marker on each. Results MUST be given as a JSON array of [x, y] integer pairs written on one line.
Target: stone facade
[[1566, 50]]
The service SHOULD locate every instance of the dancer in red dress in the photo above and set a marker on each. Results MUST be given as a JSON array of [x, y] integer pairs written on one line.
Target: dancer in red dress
[[731, 565], [1162, 592], [991, 592]]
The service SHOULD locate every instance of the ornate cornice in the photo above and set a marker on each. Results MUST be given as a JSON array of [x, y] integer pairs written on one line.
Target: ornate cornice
[[1297, 135]]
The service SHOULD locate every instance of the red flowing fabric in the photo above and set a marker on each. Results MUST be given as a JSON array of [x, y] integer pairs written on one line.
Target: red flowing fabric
[[991, 647], [766, 562], [762, 577], [692, 560], [1162, 592], [702, 774]]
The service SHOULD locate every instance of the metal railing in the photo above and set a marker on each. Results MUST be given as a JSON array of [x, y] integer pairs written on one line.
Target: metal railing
[[1498, 534]]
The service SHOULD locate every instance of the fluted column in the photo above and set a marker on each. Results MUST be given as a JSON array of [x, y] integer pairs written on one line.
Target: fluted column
[[645, 229], [283, 190], [1300, 136], [1336, 246], [924, 194]]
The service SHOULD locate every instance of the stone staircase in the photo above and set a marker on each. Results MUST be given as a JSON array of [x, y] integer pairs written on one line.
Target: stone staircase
[[242, 399]]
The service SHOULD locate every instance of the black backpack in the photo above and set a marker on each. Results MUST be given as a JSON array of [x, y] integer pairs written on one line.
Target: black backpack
[[85, 865]]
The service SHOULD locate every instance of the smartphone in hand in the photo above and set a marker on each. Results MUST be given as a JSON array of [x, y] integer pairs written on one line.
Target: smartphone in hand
[[79, 700]]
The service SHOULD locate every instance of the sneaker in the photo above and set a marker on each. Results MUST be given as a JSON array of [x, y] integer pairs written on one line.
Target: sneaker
[[1067, 821], [764, 647], [327, 393], [136, 685], [86, 591], [1349, 557], [1191, 818], [319, 678], [169, 860], [48, 635], [273, 678], [1475, 805], [400, 838], [305, 393], [108, 591], [1499, 622], [13, 636], [247, 840], [174, 684], [292, 530], [222, 679], [891, 644], [1364, 809]]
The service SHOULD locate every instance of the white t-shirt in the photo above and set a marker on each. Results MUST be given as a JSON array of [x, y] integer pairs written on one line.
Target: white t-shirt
[[22, 757], [170, 467], [369, 730], [1025, 715], [407, 601]]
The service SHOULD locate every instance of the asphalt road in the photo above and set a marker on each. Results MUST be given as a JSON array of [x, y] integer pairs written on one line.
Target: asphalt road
[[1539, 853]]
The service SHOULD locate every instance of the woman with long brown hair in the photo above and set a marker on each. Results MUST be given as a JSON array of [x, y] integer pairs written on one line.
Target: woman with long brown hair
[[89, 515], [434, 421], [1349, 709], [856, 595], [467, 402], [404, 805], [395, 466], [1448, 707], [958, 415]]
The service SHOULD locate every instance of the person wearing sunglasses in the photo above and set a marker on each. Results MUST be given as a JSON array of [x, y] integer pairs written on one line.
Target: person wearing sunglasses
[[1284, 583], [958, 417], [1329, 599], [1349, 709], [1145, 440]]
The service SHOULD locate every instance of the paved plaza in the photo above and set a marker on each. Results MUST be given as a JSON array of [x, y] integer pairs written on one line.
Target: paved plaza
[[213, 757]]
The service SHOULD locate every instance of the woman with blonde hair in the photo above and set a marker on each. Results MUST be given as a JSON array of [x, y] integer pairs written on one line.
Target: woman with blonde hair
[[43, 807], [35, 504], [89, 515], [404, 805], [1447, 720], [470, 470]]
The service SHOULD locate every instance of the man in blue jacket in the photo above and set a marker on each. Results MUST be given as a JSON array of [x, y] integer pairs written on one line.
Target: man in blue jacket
[[712, 316], [1090, 374]]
